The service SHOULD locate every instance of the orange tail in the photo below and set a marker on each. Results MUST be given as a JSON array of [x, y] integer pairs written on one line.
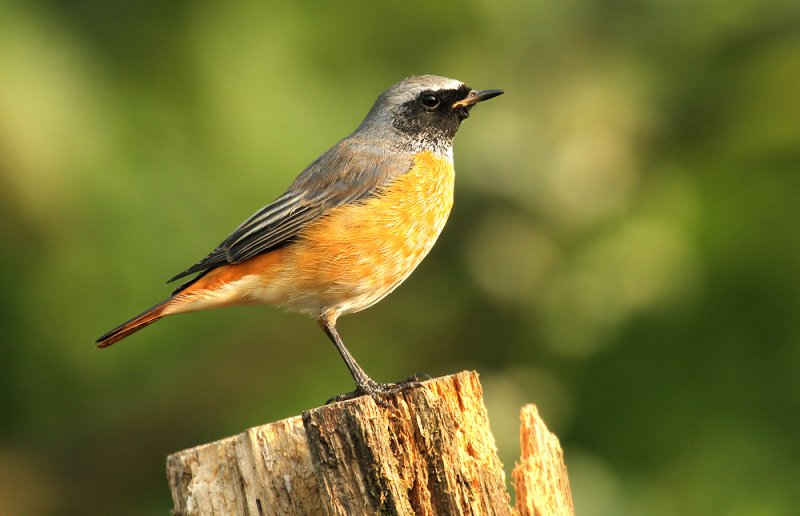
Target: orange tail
[[145, 318]]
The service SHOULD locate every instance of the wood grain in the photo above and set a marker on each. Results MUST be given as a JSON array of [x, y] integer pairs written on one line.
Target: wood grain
[[540, 479]]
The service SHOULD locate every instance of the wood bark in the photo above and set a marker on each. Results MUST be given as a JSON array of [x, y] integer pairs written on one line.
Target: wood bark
[[429, 451]]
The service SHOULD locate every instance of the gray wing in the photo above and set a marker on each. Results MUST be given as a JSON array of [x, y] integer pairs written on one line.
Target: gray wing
[[350, 171]]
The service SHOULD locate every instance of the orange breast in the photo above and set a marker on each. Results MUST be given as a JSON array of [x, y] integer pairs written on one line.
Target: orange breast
[[357, 254]]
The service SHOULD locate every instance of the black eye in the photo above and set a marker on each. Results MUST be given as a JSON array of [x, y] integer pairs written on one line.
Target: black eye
[[429, 100]]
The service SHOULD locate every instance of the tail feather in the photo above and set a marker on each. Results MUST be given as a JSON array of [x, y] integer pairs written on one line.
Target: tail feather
[[145, 318]]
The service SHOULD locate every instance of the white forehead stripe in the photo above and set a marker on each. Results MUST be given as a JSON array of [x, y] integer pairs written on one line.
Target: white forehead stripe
[[450, 84], [415, 85]]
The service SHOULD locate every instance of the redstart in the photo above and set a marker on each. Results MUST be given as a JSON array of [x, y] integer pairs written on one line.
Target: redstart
[[350, 229]]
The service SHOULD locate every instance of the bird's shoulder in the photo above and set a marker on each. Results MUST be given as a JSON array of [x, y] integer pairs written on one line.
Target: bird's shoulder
[[351, 168]]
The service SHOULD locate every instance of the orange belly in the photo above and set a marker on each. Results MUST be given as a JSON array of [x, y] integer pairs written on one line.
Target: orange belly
[[347, 260]]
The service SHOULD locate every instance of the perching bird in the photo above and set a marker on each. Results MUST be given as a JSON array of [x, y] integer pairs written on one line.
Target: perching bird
[[352, 227]]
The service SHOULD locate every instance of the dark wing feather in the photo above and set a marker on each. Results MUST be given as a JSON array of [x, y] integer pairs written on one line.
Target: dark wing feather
[[350, 171]]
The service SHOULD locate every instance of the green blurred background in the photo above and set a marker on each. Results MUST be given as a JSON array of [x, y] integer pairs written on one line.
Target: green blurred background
[[624, 249]]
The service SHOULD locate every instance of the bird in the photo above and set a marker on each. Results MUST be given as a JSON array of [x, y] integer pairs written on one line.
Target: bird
[[350, 229]]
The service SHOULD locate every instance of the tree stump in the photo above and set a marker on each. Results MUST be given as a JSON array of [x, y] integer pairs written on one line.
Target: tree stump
[[429, 451]]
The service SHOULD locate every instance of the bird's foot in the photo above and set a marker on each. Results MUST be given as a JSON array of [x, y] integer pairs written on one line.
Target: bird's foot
[[377, 391]]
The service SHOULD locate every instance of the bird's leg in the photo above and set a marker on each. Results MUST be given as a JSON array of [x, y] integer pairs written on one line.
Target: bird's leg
[[364, 384]]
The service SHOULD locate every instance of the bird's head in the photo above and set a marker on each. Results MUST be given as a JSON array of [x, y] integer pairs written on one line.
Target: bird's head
[[424, 109]]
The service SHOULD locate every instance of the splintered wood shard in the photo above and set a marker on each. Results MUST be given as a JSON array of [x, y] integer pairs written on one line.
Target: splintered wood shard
[[540, 479]]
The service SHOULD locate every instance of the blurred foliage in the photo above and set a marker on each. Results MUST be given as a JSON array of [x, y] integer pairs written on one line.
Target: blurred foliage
[[624, 250]]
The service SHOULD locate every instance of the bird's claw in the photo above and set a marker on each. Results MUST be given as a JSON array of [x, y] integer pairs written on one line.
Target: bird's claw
[[377, 391]]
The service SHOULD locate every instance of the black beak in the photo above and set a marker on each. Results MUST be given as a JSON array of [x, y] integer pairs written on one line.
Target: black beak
[[477, 96]]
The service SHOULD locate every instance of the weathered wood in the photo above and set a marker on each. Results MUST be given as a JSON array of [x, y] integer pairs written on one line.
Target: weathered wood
[[429, 451], [540, 479], [265, 470]]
